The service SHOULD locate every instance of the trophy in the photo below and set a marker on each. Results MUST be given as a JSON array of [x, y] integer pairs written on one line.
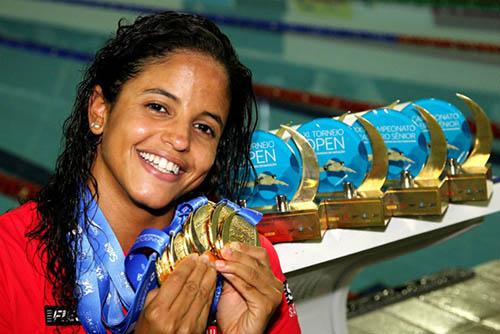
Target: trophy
[[414, 185], [349, 191], [284, 186], [469, 175]]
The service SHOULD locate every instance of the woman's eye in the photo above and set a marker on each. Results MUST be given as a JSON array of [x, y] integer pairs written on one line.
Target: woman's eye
[[205, 129], [157, 107]]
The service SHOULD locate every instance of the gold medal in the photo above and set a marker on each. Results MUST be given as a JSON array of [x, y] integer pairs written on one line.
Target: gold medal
[[179, 248], [163, 266], [236, 228], [219, 216], [210, 227], [196, 229], [186, 228], [166, 263]]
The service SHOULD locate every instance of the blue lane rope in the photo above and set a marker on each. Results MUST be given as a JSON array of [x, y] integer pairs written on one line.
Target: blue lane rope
[[86, 57], [46, 49], [246, 22], [284, 27]]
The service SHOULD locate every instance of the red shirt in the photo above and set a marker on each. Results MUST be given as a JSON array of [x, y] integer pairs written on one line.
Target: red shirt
[[25, 291]]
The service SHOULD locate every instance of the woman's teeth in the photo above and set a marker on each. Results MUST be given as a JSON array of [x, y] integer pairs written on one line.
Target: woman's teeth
[[159, 163]]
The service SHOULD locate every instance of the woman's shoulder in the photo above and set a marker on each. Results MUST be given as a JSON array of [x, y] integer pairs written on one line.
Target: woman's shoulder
[[14, 224], [26, 209], [27, 295]]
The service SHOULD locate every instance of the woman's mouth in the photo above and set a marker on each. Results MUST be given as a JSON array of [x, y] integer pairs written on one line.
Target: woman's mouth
[[160, 163]]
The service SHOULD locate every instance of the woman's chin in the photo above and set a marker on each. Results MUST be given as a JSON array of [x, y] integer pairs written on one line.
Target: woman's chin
[[154, 203]]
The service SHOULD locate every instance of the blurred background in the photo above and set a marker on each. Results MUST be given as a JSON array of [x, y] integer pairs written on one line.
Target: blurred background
[[310, 58]]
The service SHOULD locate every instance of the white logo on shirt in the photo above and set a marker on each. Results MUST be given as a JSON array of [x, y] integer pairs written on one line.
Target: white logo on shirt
[[111, 252]]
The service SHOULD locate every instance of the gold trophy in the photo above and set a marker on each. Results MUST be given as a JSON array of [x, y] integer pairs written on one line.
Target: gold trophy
[[427, 193], [471, 180], [364, 206], [295, 219]]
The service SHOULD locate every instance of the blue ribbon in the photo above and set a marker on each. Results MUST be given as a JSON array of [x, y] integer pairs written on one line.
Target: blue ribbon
[[251, 216], [112, 288]]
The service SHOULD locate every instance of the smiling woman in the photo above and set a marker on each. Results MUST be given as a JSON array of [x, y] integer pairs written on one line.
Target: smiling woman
[[159, 139], [163, 114]]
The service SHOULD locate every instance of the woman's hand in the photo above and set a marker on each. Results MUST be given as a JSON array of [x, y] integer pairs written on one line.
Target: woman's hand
[[182, 303], [251, 292]]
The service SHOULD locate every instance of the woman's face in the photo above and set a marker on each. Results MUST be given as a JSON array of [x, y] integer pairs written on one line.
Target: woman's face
[[160, 138]]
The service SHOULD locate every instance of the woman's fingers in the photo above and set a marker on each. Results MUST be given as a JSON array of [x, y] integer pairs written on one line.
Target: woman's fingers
[[253, 287], [260, 307], [175, 281], [259, 254], [192, 289], [250, 265], [247, 291], [247, 270], [151, 296], [178, 306], [199, 311]]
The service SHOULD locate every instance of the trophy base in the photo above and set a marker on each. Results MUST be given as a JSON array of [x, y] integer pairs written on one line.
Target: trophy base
[[291, 226], [469, 187], [417, 201], [352, 213]]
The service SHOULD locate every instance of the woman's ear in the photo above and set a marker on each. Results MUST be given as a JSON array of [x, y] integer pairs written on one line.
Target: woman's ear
[[98, 111]]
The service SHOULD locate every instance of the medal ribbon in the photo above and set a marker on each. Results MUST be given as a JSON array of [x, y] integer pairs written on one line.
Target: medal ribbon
[[112, 288], [251, 216]]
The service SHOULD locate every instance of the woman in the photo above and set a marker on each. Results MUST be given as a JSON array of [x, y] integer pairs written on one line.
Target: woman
[[164, 113]]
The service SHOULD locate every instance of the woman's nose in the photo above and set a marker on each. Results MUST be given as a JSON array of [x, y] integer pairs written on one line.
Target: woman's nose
[[178, 135]]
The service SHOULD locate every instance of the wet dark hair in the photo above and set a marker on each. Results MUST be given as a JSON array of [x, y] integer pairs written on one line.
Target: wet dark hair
[[148, 39]]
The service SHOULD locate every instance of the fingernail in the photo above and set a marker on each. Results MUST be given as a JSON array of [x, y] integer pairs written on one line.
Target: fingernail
[[220, 264], [192, 256], [235, 245], [226, 252], [205, 259]]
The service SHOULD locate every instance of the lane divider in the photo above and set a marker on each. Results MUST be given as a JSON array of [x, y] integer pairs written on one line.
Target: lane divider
[[17, 188], [451, 4], [295, 97], [45, 49], [272, 93], [290, 27], [22, 189]]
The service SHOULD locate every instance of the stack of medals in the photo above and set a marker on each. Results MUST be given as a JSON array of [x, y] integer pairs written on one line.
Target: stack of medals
[[208, 228]]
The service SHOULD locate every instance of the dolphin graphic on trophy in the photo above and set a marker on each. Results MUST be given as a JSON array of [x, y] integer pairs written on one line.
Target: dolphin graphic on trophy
[[266, 179], [333, 165], [283, 186], [396, 155]]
